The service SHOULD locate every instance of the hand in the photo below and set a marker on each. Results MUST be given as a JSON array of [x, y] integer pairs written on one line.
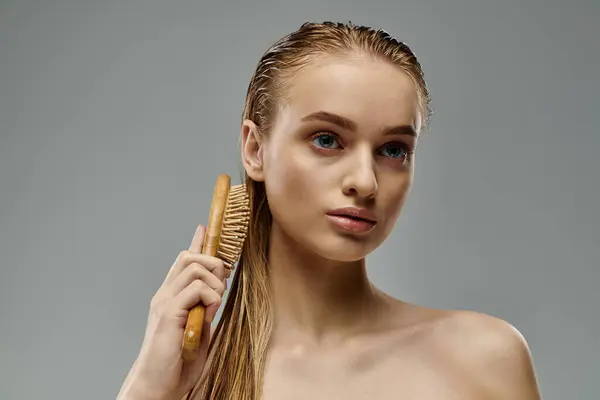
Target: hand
[[160, 371]]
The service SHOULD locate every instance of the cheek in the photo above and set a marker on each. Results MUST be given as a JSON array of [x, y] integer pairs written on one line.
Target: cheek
[[393, 199], [289, 182]]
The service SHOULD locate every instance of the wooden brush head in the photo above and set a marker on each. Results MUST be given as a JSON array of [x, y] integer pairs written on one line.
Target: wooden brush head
[[235, 227]]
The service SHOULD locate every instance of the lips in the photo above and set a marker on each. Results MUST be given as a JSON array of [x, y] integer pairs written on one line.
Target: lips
[[352, 220], [359, 214]]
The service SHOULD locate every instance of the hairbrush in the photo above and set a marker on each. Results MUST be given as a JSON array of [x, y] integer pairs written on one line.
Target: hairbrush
[[224, 238]]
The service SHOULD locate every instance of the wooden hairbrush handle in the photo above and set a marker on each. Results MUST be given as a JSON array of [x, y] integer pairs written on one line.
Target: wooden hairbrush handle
[[193, 328]]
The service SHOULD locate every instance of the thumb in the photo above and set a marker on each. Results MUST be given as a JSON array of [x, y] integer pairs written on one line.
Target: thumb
[[211, 312], [197, 240], [192, 371]]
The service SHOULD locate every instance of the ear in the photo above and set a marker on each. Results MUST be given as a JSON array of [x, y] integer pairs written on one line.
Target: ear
[[252, 151]]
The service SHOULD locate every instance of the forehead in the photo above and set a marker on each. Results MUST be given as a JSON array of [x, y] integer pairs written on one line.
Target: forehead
[[373, 93]]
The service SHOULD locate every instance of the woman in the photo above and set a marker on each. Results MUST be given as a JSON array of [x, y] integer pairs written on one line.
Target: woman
[[329, 134]]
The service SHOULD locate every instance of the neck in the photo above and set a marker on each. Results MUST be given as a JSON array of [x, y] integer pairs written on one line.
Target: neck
[[317, 300]]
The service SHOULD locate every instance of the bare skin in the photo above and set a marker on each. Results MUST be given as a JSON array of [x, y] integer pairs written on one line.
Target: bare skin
[[335, 335], [419, 354]]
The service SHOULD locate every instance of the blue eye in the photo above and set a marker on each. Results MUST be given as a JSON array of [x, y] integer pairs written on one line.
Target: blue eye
[[395, 150], [326, 141]]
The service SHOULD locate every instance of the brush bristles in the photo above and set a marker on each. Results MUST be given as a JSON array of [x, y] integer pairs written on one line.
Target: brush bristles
[[235, 227]]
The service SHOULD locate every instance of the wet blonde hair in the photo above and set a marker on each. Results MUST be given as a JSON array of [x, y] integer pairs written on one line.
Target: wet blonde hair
[[239, 344]]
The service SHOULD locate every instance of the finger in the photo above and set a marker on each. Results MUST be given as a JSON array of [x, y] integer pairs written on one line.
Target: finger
[[196, 293], [195, 247], [175, 269], [186, 258], [193, 369], [195, 272], [212, 264], [197, 240]]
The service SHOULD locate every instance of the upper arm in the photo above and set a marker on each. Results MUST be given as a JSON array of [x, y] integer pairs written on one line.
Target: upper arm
[[499, 359]]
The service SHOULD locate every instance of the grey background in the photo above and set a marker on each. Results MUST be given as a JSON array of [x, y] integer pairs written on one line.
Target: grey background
[[115, 117]]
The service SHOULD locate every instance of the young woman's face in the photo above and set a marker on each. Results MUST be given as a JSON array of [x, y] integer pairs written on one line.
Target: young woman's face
[[345, 137]]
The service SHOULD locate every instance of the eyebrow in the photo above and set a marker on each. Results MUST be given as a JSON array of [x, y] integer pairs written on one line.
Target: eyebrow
[[350, 125]]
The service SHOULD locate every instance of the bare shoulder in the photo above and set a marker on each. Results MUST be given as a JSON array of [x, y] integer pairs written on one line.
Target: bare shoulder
[[490, 350], [482, 331]]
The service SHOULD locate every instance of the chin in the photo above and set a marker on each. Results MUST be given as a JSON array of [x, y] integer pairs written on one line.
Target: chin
[[323, 241], [342, 248]]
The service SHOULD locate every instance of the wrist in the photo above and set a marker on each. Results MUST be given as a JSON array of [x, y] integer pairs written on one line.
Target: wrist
[[139, 389]]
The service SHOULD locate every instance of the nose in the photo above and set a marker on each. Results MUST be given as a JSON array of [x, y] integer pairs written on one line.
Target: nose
[[360, 180]]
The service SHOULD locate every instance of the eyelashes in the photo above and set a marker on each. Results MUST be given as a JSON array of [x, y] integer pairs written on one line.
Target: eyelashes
[[329, 141], [324, 139]]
